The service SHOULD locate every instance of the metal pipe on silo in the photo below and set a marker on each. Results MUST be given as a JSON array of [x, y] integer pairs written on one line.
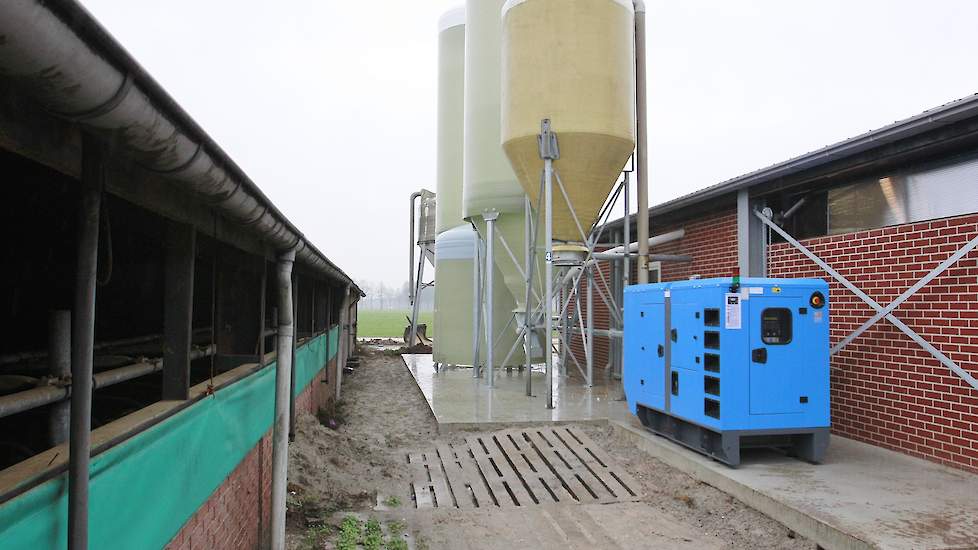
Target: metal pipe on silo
[[589, 347], [548, 278], [477, 302], [641, 146], [490, 219], [411, 244], [627, 235]]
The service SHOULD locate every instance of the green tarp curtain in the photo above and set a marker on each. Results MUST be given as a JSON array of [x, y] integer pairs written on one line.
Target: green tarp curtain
[[144, 489]]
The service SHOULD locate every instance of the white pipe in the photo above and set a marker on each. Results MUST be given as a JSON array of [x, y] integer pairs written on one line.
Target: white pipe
[[618, 251], [490, 218], [476, 302], [283, 369], [657, 240]]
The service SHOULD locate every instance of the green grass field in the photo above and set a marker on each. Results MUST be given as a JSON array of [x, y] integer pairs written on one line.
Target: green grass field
[[388, 324]]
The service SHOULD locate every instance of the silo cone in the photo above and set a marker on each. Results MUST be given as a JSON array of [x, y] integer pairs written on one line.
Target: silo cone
[[455, 243], [489, 183], [572, 63]]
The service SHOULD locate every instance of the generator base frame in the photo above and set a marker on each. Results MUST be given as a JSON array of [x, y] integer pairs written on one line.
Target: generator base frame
[[809, 445]]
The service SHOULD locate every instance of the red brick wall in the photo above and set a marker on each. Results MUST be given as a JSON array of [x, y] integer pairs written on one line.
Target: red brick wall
[[236, 516], [886, 390], [712, 243]]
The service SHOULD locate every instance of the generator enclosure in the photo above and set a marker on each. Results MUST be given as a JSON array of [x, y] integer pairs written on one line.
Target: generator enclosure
[[722, 364]]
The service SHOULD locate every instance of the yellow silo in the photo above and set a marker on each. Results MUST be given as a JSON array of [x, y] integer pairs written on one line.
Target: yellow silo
[[571, 62]]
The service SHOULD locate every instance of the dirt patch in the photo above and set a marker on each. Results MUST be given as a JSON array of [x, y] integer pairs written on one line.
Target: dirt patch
[[361, 467], [710, 510], [346, 467]]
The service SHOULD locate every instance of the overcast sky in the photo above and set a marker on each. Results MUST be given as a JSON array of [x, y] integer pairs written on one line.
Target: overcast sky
[[330, 105]]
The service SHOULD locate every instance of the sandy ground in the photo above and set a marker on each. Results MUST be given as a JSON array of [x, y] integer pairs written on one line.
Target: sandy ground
[[360, 468]]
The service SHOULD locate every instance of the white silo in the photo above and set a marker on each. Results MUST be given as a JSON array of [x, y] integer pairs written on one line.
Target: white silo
[[456, 242], [492, 197]]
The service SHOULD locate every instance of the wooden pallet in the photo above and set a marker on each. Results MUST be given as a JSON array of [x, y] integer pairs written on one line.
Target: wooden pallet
[[519, 467]]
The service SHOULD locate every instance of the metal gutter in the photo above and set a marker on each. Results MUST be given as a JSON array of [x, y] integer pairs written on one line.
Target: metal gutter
[[72, 66], [931, 119]]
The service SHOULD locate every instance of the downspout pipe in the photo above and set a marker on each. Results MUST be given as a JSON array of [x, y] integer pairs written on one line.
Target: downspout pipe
[[80, 73], [641, 147], [283, 378], [83, 345]]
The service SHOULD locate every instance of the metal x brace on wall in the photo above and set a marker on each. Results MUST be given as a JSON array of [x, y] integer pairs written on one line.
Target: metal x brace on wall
[[886, 312]]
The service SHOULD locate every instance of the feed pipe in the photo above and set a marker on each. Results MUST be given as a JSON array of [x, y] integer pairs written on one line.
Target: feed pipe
[[618, 253], [641, 145], [658, 240], [22, 356], [38, 397], [283, 384], [64, 58], [411, 244]]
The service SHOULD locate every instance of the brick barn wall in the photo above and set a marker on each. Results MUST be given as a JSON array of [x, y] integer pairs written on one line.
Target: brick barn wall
[[886, 389], [710, 240], [237, 514]]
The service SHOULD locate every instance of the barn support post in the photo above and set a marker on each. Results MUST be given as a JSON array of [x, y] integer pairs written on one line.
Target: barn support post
[[751, 249], [180, 251]]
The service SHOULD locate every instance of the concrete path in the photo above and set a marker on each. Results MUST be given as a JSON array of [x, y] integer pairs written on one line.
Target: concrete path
[[459, 401], [861, 496]]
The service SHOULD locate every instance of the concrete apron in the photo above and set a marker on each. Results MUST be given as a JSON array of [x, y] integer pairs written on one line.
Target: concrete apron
[[861, 496]]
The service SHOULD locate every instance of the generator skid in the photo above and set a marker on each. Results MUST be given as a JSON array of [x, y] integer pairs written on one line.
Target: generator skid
[[724, 364]]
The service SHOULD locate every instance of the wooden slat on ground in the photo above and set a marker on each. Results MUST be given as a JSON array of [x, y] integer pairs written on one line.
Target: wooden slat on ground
[[519, 467], [456, 477], [493, 478], [442, 495], [421, 483]]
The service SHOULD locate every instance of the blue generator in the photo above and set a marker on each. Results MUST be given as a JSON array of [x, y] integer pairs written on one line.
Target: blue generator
[[721, 364]]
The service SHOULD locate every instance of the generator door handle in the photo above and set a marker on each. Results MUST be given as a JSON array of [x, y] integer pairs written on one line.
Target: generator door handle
[[674, 335], [759, 355], [661, 350]]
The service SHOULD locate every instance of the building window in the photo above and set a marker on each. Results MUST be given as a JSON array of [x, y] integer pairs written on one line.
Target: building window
[[655, 272], [907, 197]]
